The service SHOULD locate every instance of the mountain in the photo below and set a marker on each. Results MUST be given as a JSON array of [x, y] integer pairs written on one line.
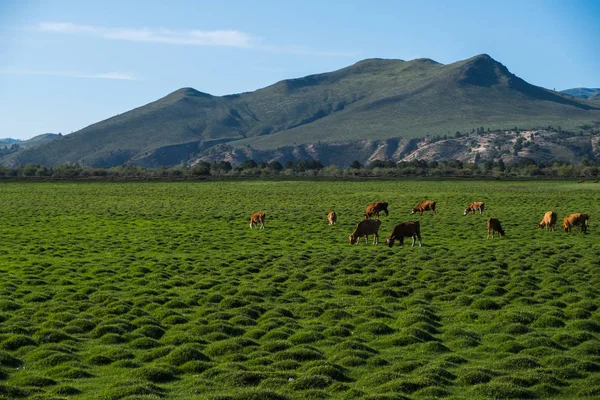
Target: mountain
[[372, 100], [583, 93]]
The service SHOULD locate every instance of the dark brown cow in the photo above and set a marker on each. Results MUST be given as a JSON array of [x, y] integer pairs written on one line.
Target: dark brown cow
[[374, 209], [424, 205], [257, 218], [493, 226], [332, 217], [405, 229], [475, 206], [596, 181], [365, 228], [548, 221], [581, 181], [580, 220]]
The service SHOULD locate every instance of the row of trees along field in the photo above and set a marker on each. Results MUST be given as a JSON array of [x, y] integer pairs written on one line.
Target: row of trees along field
[[313, 168]]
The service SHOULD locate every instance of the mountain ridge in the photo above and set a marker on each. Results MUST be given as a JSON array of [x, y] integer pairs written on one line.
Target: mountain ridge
[[373, 99]]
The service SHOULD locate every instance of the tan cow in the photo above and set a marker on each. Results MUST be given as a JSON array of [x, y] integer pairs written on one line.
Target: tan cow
[[493, 226], [374, 209], [424, 205], [405, 229], [257, 218], [548, 221], [365, 228], [475, 206], [580, 220], [332, 217]]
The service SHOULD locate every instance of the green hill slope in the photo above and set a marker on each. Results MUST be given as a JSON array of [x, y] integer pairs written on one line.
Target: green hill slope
[[372, 99], [584, 93]]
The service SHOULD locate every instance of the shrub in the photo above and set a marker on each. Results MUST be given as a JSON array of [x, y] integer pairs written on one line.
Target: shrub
[[185, 353], [158, 373]]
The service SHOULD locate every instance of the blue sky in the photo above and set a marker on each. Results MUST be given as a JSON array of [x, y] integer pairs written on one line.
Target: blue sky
[[67, 64]]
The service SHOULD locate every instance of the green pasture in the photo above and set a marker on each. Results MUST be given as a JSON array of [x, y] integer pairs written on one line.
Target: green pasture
[[162, 291]]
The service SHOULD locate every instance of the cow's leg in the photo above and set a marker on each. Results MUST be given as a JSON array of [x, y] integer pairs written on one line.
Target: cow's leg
[[413, 241], [401, 241], [376, 241], [420, 241]]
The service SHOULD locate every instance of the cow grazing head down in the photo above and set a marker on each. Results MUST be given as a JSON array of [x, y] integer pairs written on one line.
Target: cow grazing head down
[[332, 217], [425, 205], [374, 209], [548, 221], [256, 219], [365, 228], [493, 226], [474, 207], [578, 219], [405, 229]]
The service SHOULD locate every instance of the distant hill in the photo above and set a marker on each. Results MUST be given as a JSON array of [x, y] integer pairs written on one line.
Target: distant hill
[[11, 148], [6, 141], [372, 100], [584, 93]]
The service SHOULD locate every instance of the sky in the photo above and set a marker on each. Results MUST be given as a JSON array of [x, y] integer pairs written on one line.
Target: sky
[[65, 65]]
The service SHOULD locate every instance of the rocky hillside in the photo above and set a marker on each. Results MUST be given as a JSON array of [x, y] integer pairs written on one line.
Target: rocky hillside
[[510, 146]]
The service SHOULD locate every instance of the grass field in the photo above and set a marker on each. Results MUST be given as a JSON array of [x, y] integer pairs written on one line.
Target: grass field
[[161, 290]]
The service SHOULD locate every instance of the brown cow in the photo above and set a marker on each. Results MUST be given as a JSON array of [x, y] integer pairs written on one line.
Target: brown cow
[[332, 217], [548, 221], [374, 209], [365, 228], [405, 229], [580, 220], [257, 218], [493, 226], [596, 181], [581, 181], [475, 206], [424, 205]]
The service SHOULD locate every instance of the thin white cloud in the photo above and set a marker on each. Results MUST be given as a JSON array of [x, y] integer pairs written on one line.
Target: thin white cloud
[[72, 74], [226, 38], [229, 38]]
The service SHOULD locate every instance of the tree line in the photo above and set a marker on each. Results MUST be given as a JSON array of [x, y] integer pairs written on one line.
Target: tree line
[[525, 168]]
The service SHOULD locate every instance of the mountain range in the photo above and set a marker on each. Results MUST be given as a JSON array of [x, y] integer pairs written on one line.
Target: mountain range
[[336, 117]]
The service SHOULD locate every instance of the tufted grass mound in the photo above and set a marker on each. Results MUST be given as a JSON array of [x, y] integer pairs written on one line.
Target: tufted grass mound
[[154, 290]]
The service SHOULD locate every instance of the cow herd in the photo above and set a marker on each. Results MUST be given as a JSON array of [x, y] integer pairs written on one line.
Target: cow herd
[[370, 227]]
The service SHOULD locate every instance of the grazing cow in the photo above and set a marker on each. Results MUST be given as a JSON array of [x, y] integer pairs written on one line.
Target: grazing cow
[[374, 209], [493, 226], [580, 220], [475, 206], [424, 205], [332, 217], [257, 218], [548, 221], [596, 181], [365, 228], [405, 229], [581, 181]]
